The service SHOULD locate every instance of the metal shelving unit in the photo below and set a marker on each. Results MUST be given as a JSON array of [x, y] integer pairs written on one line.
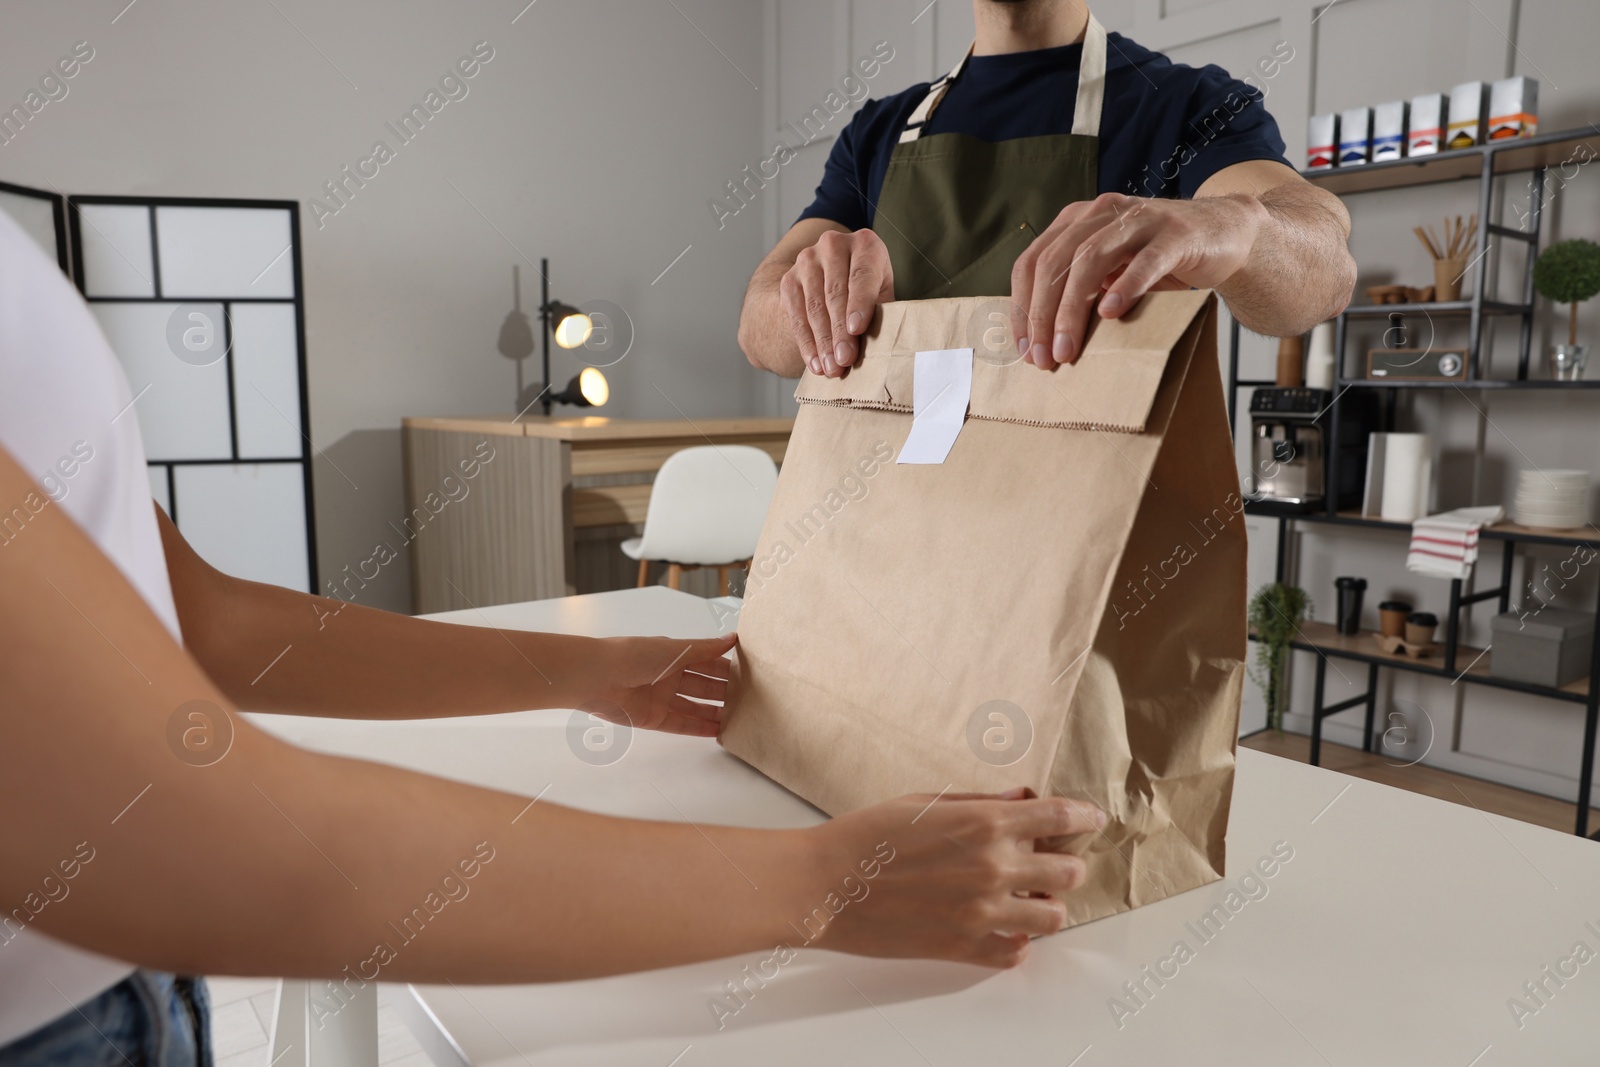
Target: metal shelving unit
[[1485, 163]]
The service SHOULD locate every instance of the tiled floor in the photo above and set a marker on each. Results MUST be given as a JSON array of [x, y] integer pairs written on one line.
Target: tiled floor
[[241, 1019]]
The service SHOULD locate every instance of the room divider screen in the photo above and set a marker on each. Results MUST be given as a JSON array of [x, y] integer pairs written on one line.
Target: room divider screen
[[202, 302], [43, 215]]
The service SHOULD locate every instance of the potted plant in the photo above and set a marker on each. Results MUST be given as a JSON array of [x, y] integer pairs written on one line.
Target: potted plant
[[1276, 612], [1569, 273]]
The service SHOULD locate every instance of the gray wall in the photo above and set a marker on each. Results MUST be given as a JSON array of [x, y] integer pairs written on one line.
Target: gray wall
[[595, 136], [1347, 53]]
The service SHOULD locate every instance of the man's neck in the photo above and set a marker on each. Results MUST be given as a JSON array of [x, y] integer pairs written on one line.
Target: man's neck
[[1026, 25]]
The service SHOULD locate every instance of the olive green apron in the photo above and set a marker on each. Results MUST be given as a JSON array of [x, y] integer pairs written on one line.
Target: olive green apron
[[955, 212]]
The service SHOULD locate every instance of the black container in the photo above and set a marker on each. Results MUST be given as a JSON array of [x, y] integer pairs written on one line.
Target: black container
[[1350, 590]]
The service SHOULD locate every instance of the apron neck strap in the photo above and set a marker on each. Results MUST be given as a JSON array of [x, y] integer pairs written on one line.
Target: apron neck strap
[[1091, 87], [1091, 81]]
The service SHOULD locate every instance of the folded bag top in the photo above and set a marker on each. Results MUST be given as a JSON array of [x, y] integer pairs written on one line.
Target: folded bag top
[[1111, 387]]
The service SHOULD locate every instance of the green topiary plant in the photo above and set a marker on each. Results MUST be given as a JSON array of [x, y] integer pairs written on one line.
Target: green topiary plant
[[1569, 273], [1276, 612]]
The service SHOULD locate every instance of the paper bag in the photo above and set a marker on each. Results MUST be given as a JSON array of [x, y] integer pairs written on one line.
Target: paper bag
[[1059, 604]]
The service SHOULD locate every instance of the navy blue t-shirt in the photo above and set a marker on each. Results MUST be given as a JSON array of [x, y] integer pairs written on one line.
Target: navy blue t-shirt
[[1166, 127]]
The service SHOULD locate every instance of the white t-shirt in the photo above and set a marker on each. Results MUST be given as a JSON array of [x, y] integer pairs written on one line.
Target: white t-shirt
[[68, 418]]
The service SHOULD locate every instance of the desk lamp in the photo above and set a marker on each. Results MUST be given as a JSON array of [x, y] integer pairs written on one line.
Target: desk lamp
[[571, 328]]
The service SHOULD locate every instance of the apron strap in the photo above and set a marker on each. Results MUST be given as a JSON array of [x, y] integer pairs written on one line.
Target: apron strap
[[930, 100], [1091, 88], [1091, 81]]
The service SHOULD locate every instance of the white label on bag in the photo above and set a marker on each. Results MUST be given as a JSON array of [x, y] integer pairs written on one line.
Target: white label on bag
[[941, 388]]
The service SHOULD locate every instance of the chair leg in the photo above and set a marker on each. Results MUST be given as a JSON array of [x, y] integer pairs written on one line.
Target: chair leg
[[644, 573], [674, 575], [722, 580]]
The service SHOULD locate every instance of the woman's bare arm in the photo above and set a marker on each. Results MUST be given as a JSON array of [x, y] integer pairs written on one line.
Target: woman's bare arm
[[273, 649], [277, 861]]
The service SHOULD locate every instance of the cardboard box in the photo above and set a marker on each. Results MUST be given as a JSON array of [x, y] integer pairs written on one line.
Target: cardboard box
[[1355, 137], [1389, 131], [1322, 142], [1467, 107], [1513, 109], [1428, 115], [1543, 646]]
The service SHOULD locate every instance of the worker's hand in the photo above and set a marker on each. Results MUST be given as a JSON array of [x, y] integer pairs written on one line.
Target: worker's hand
[[830, 294], [645, 682], [1124, 247], [952, 878]]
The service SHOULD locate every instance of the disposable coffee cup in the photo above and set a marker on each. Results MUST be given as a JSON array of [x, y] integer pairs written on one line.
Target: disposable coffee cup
[[1419, 628], [1392, 618]]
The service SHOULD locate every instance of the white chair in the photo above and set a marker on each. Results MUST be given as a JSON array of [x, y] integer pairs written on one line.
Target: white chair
[[706, 510]]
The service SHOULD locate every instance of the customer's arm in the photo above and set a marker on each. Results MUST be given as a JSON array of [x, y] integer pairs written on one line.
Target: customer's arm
[[273, 649], [276, 861], [1272, 244]]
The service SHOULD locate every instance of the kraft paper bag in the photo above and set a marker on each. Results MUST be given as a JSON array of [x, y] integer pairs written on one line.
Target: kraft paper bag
[[1059, 604]]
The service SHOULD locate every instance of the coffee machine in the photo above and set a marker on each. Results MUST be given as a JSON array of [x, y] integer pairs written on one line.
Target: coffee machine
[[1293, 459]]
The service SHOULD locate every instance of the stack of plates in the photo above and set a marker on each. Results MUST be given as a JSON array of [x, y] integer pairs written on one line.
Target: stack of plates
[[1555, 499]]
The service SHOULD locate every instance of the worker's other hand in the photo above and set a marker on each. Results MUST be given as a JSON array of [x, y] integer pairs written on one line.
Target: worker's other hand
[[952, 877], [1122, 247], [646, 682], [830, 294]]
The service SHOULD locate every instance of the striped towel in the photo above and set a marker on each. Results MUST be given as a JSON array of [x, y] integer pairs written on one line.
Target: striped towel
[[1446, 545]]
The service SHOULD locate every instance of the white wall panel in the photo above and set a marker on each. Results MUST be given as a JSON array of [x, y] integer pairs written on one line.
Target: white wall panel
[[116, 250], [248, 520], [1242, 53], [159, 487], [891, 21], [1371, 51], [35, 216], [1119, 16], [953, 30], [266, 381], [798, 183], [182, 408], [220, 251], [1556, 42], [805, 57]]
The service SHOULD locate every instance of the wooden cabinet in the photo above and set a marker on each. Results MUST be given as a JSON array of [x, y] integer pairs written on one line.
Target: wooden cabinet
[[503, 509]]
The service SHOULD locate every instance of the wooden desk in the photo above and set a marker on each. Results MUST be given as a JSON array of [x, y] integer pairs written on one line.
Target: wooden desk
[[547, 503]]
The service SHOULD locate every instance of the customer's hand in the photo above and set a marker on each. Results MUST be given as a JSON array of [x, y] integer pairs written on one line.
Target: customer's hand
[[646, 682], [830, 294], [1123, 247], [953, 877]]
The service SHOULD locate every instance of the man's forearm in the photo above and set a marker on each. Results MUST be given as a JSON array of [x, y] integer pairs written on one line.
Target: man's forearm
[[1300, 271], [764, 333]]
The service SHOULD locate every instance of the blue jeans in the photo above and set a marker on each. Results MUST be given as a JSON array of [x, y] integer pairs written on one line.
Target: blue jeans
[[146, 1020]]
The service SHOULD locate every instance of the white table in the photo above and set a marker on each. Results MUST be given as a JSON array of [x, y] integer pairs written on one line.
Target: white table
[[1396, 934]]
